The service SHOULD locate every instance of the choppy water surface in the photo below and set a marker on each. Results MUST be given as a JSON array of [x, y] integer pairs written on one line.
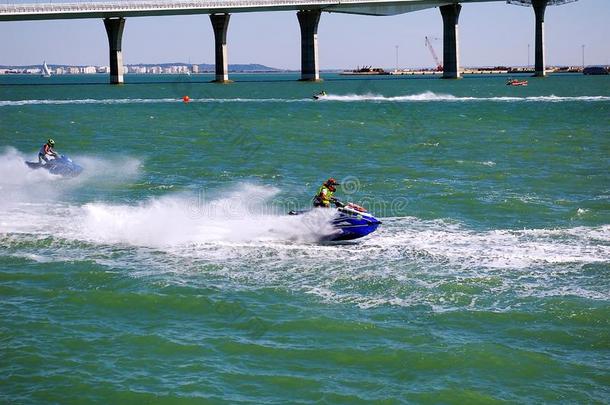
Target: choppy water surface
[[168, 271]]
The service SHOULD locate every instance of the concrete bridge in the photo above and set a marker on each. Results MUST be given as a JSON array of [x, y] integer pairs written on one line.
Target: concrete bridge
[[114, 14]]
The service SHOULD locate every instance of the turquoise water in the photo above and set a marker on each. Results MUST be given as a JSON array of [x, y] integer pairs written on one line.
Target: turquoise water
[[168, 273]]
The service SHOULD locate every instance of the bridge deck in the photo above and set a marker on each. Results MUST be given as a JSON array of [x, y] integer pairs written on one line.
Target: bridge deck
[[141, 8]]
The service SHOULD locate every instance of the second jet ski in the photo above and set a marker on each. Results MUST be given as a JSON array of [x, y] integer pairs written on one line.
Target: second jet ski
[[61, 166]]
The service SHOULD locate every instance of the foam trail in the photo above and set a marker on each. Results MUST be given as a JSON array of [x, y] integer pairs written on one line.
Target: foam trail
[[35, 202], [411, 98], [28, 198], [426, 96], [180, 219], [245, 214], [243, 218], [17, 103], [412, 262], [496, 249], [14, 171], [112, 170], [251, 244], [21, 185], [429, 96]]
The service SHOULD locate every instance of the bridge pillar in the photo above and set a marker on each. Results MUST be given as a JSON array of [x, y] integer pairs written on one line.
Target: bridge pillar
[[220, 24], [114, 29], [308, 20], [539, 9], [451, 56]]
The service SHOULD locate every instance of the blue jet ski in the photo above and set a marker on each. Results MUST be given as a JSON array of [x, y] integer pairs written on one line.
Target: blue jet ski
[[351, 221], [61, 166]]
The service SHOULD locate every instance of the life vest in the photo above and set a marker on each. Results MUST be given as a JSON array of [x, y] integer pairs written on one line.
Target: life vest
[[44, 149], [324, 197]]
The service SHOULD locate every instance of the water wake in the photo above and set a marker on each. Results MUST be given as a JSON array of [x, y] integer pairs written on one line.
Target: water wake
[[20, 184], [495, 249], [238, 240], [239, 216], [412, 98], [11, 103], [434, 97], [245, 213], [243, 217]]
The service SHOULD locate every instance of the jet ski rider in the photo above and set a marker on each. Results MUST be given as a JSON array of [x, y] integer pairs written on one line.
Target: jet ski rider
[[47, 150], [325, 194]]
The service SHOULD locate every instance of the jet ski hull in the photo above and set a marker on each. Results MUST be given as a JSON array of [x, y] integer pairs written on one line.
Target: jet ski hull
[[61, 166], [34, 165], [348, 223], [353, 225]]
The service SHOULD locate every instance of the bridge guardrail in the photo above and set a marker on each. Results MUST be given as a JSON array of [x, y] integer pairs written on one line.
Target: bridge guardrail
[[94, 6]]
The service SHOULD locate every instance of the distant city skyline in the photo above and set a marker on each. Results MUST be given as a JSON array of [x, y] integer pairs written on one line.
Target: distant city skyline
[[491, 34]]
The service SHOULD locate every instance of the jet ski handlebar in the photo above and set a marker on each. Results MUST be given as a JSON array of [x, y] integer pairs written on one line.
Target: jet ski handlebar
[[352, 206]]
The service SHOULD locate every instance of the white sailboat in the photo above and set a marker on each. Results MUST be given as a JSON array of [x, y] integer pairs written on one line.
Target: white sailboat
[[45, 70]]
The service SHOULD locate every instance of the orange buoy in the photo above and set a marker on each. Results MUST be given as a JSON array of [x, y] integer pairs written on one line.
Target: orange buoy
[[186, 99]]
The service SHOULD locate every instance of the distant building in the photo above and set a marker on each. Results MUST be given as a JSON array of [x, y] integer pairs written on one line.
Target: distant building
[[137, 69], [89, 70], [195, 68]]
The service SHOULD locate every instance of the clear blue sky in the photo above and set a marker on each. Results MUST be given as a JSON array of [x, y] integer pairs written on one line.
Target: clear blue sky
[[490, 34]]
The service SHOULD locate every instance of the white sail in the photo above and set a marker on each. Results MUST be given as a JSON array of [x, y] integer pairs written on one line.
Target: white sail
[[45, 70]]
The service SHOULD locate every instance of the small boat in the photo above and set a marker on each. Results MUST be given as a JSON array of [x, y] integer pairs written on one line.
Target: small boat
[[366, 70], [515, 82], [595, 70], [61, 166], [45, 70], [350, 221]]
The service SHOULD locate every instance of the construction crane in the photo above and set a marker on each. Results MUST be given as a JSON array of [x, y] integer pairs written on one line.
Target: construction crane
[[439, 64]]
